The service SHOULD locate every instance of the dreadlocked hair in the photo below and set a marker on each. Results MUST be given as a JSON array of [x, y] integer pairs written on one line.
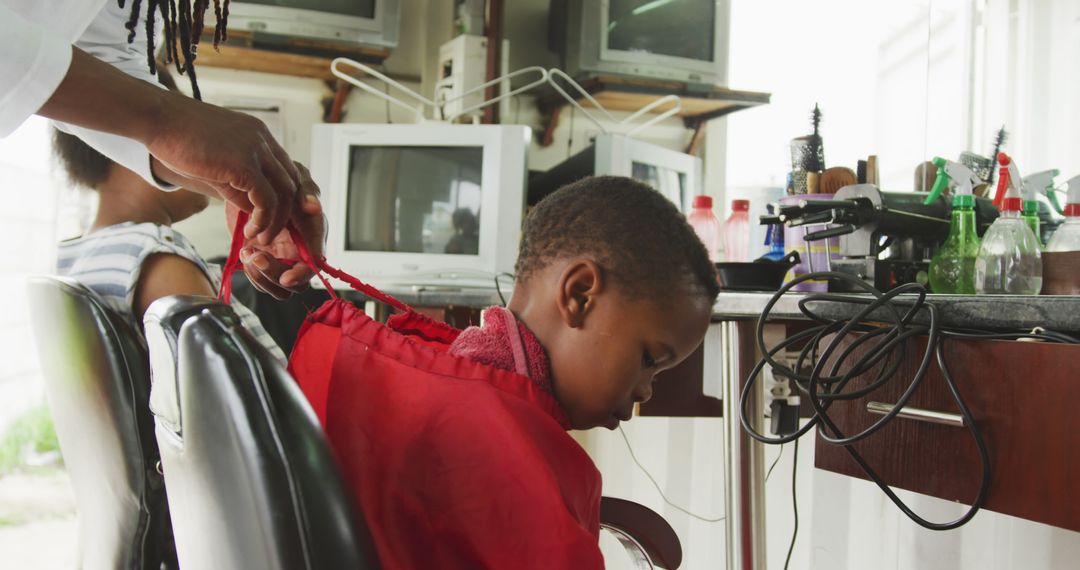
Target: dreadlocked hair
[[184, 20], [636, 235]]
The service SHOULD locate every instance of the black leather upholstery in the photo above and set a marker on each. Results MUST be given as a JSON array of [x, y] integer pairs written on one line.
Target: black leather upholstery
[[97, 384], [251, 479]]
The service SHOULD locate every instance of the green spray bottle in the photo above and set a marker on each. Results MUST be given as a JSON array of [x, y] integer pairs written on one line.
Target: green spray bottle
[[1043, 183], [952, 269]]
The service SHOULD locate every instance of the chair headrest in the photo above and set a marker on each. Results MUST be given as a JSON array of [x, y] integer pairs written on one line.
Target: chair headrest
[[262, 486], [162, 323]]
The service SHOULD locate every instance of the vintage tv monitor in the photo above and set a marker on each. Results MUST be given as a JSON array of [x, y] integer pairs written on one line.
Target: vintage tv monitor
[[677, 175], [673, 40], [364, 22], [422, 204]]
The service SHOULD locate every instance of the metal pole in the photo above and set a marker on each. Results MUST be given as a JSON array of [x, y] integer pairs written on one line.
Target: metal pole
[[744, 503]]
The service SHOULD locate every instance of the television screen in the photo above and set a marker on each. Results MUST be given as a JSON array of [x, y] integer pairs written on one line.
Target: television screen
[[668, 181], [359, 8], [414, 199], [676, 28]]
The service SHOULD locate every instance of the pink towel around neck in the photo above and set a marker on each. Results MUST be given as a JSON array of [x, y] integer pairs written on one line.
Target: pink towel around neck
[[491, 344]]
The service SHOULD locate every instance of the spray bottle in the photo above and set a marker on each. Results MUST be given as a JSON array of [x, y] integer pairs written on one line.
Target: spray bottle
[[1043, 183], [1067, 237], [1032, 186], [1030, 210], [1009, 261], [952, 269]]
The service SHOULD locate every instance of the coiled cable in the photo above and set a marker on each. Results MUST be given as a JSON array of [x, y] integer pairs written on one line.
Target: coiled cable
[[885, 339]]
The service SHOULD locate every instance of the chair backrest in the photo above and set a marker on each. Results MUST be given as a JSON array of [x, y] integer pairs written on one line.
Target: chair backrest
[[251, 479], [97, 384]]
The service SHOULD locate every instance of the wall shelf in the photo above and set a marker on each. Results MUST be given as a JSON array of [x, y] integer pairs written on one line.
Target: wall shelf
[[628, 95], [295, 57]]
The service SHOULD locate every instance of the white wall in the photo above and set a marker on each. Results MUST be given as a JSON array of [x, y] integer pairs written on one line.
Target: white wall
[[685, 456], [28, 234]]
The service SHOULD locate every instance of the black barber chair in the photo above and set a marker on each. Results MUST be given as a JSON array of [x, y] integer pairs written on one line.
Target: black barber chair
[[97, 383], [251, 479]]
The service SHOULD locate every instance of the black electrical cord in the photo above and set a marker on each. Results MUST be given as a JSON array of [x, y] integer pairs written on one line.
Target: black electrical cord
[[779, 454], [794, 505], [498, 287], [884, 325]]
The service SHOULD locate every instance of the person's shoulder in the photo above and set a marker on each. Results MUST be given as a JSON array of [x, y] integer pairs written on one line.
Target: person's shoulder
[[115, 247]]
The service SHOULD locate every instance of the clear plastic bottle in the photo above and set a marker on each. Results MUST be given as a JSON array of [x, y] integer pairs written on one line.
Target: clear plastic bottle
[[1009, 261], [706, 225], [1067, 236], [737, 232]]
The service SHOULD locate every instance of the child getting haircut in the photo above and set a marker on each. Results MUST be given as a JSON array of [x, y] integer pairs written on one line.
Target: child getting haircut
[[468, 464]]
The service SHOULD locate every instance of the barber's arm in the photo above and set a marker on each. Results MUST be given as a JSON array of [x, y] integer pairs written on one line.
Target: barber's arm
[[199, 146], [33, 65], [106, 39], [208, 148]]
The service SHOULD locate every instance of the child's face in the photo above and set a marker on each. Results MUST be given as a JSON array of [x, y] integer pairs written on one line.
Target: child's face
[[609, 362]]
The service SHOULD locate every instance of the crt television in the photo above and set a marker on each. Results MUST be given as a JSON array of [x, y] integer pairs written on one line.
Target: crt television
[[422, 204], [366, 22], [673, 40], [674, 174]]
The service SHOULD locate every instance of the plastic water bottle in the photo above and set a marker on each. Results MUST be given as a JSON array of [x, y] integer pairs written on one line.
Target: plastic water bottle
[[774, 238], [952, 269], [737, 232], [1009, 260], [706, 225], [1067, 237]]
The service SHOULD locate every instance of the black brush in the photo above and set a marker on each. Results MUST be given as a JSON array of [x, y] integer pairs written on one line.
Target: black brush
[[999, 141], [814, 160]]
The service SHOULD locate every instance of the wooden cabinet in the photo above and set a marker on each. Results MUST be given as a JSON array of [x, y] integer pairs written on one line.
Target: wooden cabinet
[[678, 392], [1023, 395]]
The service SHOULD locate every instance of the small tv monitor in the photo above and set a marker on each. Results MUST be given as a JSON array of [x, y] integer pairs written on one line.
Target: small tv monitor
[[676, 175], [673, 40], [364, 22], [422, 204]]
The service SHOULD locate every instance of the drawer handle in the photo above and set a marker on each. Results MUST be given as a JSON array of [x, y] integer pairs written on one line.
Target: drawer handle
[[943, 418]]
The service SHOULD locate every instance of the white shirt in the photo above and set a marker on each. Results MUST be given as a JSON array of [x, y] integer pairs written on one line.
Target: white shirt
[[36, 38]]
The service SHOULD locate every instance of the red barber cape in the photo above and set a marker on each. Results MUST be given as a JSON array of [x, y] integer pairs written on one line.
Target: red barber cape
[[455, 464]]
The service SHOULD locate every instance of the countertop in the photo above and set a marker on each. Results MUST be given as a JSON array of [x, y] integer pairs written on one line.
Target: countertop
[[998, 312]]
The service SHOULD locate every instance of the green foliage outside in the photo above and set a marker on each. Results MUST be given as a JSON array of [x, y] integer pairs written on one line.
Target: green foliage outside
[[29, 438]]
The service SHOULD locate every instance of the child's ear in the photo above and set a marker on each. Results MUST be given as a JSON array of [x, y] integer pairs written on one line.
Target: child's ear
[[579, 284]]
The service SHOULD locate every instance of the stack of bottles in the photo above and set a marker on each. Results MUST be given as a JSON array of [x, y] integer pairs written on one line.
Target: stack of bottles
[[732, 237]]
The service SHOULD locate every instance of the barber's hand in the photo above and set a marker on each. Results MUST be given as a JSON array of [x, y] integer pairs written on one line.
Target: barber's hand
[[232, 154], [262, 262]]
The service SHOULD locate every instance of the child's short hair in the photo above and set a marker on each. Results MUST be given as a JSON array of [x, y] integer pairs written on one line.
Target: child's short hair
[[631, 230], [84, 165]]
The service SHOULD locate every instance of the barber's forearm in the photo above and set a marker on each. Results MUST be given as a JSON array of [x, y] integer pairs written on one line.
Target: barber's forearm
[[97, 96], [167, 175]]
